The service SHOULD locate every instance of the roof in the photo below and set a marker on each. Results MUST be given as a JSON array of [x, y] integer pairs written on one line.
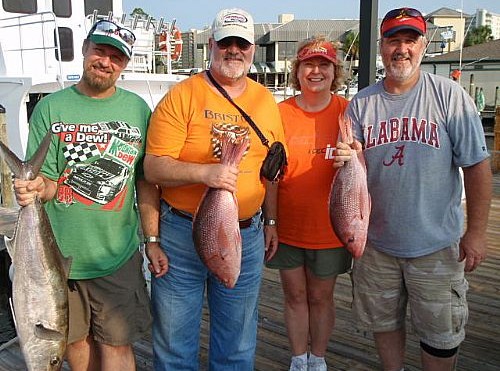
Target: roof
[[489, 50], [446, 13], [300, 29], [295, 30]]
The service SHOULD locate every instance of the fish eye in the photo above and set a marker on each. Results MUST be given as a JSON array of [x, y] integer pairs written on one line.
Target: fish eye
[[55, 361]]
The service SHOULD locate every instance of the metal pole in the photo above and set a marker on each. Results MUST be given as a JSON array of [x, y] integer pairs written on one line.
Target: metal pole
[[368, 31]]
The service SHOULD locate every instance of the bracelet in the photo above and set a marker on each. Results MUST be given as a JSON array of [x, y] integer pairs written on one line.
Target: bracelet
[[270, 221], [151, 239]]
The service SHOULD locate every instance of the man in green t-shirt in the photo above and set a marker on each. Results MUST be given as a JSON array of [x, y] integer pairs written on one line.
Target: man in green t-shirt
[[89, 181]]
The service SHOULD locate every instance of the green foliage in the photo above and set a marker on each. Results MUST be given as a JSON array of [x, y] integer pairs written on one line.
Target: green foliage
[[478, 35], [140, 12], [351, 45]]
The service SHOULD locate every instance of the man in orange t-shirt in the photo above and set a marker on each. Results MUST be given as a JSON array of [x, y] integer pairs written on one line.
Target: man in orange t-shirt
[[182, 157]]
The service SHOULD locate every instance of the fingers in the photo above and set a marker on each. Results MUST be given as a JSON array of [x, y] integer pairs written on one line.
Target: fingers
[[223, 176], [27, 191], [472, 262]]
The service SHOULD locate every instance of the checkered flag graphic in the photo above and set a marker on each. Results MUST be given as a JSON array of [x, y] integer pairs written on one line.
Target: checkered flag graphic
[[78, 152]]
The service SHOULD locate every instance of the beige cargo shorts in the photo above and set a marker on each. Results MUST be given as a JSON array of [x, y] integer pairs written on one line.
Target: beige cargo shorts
[[434, 286]]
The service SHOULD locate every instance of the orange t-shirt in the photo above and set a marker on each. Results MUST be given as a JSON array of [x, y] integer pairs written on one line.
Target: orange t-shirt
[[303, 193], [181, 127]]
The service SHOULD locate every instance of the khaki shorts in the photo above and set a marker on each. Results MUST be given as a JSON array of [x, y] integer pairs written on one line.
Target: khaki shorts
[[433, 285], [324, 263], [114, 309]]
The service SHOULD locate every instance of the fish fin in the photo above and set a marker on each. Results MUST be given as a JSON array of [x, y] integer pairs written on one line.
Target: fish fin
[[13, 162], [11, 304], [45, 333], [10, 247], [8, 221], [36, 161]]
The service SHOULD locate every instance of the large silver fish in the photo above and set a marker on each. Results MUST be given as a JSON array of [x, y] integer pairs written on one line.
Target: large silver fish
[[350, 203], [216, 232], [39, 287]]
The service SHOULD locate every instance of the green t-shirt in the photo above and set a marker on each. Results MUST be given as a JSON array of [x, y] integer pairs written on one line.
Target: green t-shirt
[[95, 156]]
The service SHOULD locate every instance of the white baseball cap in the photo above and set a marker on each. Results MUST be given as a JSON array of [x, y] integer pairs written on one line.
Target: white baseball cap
[[233, 22]]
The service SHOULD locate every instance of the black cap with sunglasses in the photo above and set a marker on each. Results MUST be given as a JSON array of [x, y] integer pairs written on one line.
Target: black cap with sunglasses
[[403, 19], [110, 33]]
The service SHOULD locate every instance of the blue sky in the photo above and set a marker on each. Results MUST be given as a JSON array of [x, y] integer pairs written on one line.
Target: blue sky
[[200, 13]]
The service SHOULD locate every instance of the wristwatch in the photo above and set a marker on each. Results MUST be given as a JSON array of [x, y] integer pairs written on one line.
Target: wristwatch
[[270, 221], [150, 239]]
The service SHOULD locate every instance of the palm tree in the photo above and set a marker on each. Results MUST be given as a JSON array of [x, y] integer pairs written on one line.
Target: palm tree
[[351, 50], [478, 35]]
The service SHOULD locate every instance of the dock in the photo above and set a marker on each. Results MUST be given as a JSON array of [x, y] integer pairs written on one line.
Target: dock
[[350, 349]]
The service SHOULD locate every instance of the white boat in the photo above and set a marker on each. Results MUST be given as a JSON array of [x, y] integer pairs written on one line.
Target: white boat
[[40, 52]]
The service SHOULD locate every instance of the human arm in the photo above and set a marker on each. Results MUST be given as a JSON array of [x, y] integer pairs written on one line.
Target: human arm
[[270, 210], [148, 200], [170, 172], [27, 190], [478, 192]]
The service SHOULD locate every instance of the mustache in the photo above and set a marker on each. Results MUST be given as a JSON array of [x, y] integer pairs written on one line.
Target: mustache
[[397, 56]]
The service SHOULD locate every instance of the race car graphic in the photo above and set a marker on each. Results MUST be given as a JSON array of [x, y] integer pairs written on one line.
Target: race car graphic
[[121, 130], [99, 181]]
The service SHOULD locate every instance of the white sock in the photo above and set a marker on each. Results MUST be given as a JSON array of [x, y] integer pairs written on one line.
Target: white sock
[[301, 356], [313, 357]]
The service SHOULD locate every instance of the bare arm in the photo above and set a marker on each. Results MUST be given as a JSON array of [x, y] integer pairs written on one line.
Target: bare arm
[[270, 209], [27, 190], [148, 199], [478, 191], [169, 172]]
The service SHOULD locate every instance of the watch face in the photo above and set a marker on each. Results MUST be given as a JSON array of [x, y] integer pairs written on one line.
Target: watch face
[[151, 239], [270, 222]]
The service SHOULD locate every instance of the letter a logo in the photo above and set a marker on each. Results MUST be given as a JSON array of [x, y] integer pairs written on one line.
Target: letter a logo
[[399, 156]]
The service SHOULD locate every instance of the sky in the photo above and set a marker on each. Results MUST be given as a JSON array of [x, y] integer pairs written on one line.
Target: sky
[[200, 13]]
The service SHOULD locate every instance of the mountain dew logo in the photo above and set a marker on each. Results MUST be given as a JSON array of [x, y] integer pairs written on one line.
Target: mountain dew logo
[[122, 151]]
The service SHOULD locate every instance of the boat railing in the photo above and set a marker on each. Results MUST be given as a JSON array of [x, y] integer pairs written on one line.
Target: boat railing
[[29, 45]]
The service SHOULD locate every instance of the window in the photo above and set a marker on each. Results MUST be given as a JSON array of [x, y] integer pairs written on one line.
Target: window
[[67, 47], [62, 8], [19, 6], [103, 6]]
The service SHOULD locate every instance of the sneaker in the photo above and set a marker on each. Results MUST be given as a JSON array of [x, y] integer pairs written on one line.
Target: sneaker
[[317, 364], [298, 365]]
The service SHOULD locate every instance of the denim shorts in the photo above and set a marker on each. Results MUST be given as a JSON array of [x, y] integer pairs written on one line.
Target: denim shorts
[[324, 263], [434, 286], [178, 299], [114, 309]]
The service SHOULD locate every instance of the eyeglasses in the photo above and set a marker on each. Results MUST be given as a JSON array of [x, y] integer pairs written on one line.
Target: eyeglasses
[[402, 12], [109, 27], [226, 42]]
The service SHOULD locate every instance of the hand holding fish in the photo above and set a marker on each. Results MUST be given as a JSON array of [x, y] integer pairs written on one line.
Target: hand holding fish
[[28, 190], [221, 176], [158, 261], [342, 154]]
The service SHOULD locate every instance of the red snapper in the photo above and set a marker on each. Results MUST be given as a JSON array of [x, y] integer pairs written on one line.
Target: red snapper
[[350, 202], [216, 231]]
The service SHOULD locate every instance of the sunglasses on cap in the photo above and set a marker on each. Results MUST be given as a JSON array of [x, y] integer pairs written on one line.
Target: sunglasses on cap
[[226, 42], [109, 27], [402, 12]]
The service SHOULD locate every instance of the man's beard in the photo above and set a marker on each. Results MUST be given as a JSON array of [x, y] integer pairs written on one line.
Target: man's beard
[[232, 72], [402, 73], [98, 83], [229, 70]]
